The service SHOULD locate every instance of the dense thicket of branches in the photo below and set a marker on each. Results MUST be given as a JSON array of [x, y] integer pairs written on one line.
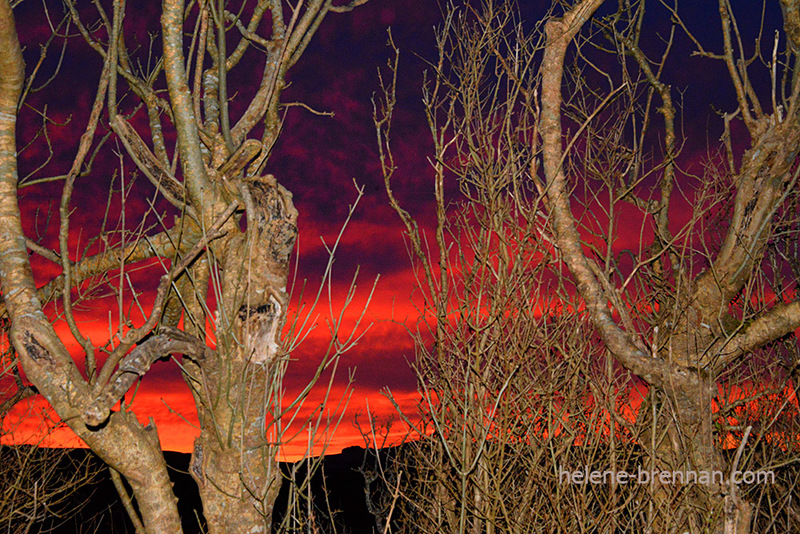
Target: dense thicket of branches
[[581, 266]]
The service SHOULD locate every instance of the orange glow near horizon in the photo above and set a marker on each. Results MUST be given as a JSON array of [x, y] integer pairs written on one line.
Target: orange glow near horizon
[[33, 422], [163, 395]]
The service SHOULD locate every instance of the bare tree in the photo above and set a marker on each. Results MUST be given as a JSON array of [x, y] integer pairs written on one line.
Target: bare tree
[[702, 312], [704, 322], [230, 243]]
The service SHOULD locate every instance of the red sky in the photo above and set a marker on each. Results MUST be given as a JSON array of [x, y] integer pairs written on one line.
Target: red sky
[[317, 159]]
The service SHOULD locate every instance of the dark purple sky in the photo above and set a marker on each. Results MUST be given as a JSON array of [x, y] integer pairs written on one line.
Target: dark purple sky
[[317, 159]]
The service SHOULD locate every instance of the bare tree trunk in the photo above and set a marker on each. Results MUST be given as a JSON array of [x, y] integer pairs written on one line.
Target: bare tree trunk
[[692, 335], [234, 460], [237, 387]]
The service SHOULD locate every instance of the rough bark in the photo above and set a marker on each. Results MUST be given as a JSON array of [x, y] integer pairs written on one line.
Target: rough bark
[[234, 460], [559, 34], [237, 388]]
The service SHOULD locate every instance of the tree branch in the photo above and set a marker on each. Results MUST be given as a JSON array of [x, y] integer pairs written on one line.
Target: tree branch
[[16, 277], [763, 185], [20, 395], [770, 325], [194, 174], [135, 335], [559, 35], [162, 244], [137, 363], [146, 161]]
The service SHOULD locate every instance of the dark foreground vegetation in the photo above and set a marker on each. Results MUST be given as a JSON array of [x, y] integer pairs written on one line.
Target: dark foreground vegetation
[[95, 506], [351, 492]]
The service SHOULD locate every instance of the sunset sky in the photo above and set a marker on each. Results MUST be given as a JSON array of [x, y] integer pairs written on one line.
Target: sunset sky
[[317, 159]]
